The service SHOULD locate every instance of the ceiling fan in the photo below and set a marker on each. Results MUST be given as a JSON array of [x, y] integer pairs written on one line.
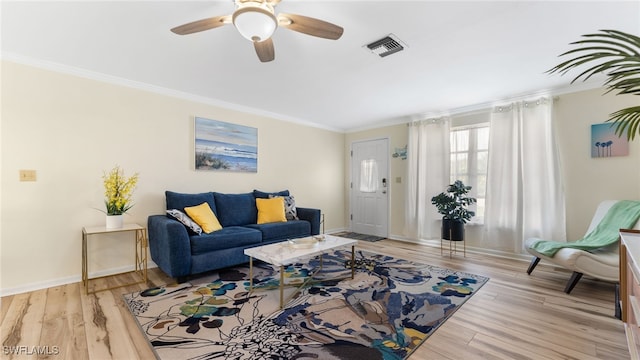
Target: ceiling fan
[[256, 21]]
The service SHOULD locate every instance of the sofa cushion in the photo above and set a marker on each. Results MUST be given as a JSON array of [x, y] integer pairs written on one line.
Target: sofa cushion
[[265, 195], [204, 216], [283, 230], [271, 210], [236, 209], [180, 201], [225, 238]]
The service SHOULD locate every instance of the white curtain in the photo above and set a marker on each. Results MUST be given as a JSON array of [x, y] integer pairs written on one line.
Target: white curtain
[[428, 175], [525, 195]]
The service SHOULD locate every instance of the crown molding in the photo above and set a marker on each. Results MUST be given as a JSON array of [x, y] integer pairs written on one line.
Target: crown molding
[[93, 75]]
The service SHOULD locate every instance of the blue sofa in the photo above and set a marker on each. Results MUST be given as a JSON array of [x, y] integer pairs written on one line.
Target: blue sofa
[[180, 252]]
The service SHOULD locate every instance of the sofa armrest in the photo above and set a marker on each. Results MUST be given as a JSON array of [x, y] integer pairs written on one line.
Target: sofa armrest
[[169, 245], [312, 216]]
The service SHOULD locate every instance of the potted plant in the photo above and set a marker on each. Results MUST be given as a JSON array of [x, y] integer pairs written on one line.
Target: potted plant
[[117, 192], [453, 204]]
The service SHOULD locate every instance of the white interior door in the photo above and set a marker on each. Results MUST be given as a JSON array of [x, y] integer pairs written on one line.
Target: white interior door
[[370, 187]]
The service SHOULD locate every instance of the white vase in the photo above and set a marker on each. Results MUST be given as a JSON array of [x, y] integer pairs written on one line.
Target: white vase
[[114, 221]]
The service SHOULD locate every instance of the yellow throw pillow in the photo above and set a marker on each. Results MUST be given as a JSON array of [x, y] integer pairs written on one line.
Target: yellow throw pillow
[[204, 216], [270, 210]]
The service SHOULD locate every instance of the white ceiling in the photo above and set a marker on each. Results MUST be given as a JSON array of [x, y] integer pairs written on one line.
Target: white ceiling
[[459, 55]]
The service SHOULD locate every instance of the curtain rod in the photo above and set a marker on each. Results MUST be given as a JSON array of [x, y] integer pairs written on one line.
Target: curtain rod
[[433, 120], [485, 107]]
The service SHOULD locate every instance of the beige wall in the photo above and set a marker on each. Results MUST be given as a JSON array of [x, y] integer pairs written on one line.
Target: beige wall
[[71, 129], [591, 180]]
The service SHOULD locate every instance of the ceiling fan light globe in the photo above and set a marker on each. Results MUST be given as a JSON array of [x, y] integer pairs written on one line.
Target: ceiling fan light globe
[[254, 23]]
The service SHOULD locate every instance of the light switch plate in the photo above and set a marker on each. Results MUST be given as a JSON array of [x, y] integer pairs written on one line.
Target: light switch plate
[[27, 175]]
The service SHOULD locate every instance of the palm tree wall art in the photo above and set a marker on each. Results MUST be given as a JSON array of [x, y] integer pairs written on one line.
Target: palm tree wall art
[[606, 143]]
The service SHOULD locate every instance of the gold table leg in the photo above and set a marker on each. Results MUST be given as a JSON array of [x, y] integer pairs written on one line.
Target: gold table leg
[[250, 273], [353, 261], [85, 275], [281, 286], [141, 254]]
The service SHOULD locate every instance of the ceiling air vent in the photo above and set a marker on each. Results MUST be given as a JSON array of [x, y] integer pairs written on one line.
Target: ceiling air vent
[[386, 46]]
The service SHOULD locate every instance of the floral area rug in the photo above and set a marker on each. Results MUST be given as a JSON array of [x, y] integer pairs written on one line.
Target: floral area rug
[[389, 308]]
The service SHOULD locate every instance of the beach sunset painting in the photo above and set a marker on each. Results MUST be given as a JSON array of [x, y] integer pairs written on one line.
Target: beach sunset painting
[[222, 146], [605, 142]]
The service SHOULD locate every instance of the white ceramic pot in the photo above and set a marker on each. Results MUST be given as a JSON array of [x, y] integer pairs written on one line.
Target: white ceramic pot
[[114, 221]]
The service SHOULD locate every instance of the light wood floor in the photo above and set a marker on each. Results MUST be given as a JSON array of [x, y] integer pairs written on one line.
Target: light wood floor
[[513, 316]]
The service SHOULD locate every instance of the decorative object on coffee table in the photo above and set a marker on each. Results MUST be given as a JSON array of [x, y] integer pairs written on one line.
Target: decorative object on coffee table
[[453, 205], [117, 193]]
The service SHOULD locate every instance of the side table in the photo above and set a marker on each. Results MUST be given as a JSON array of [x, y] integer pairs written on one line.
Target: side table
[[140, 253]]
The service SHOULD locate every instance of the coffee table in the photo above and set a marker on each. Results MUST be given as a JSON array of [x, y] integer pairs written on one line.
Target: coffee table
[[289, 252]]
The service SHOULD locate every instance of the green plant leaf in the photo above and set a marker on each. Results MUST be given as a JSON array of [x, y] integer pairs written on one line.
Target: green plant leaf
[[629, 119], [616, 55]]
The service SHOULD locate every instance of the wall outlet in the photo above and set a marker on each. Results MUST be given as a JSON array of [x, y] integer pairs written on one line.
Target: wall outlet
[[27, 175], [398, 180]]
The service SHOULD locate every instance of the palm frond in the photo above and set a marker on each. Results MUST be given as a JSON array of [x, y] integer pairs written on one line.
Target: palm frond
[[629, 119], [616, 55]]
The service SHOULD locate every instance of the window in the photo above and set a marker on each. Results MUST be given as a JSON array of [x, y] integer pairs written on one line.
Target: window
[[368, 176], [469, 154]]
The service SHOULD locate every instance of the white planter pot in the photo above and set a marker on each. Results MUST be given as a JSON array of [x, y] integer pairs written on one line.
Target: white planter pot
[[114, 221]]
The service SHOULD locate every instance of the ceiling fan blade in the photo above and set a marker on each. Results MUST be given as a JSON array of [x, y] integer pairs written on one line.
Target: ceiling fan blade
[[310, 26], [265, 50], [201, 25]]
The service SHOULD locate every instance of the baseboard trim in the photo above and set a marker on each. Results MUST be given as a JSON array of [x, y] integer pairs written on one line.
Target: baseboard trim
[[471, 249], [68, 280], [333, 231]]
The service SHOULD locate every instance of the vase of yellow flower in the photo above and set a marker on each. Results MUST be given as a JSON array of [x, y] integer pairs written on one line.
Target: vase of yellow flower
[[114, 221], [117, 192]]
